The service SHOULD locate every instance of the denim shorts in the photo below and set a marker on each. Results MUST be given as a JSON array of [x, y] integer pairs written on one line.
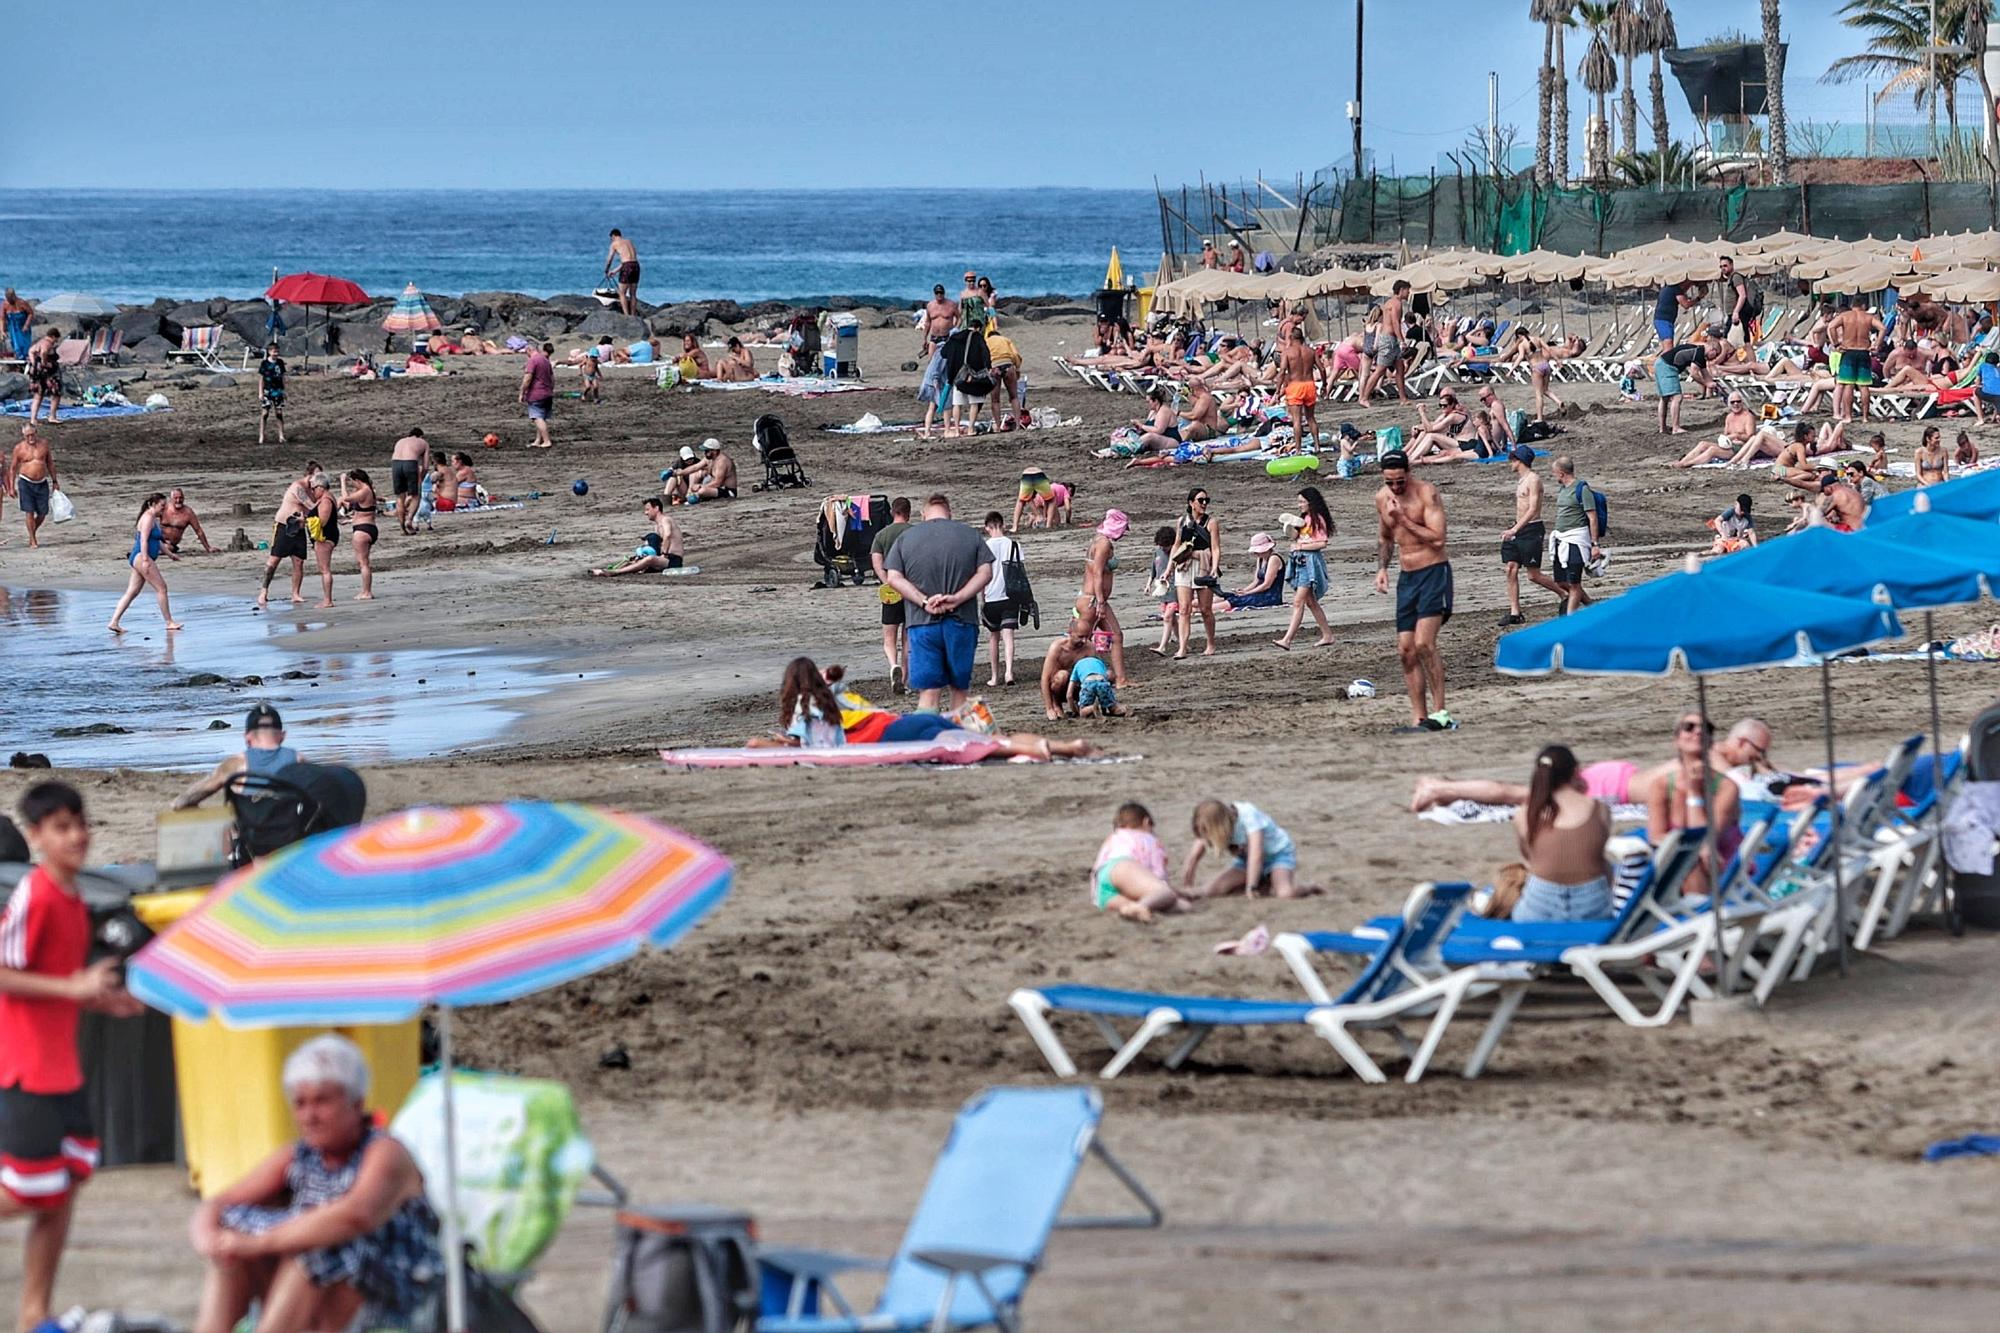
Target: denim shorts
[[1543, 901]]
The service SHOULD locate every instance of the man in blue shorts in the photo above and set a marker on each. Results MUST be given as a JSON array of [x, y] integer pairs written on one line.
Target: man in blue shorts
[[1412, 524], [1674, 297], [940, 566]]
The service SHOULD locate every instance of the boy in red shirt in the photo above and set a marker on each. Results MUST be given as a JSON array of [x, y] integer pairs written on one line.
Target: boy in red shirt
[[47, 1145]]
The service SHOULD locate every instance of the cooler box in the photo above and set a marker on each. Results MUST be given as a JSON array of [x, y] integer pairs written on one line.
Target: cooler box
[[846, 330], [232, 1098]]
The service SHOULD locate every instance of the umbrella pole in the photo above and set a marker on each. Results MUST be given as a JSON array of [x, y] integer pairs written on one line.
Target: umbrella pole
[[1949, 904], [1839, 875], [1708, 835], [454, 1245]]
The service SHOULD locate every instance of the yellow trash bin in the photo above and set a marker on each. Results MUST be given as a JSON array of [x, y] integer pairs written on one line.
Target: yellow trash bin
[[232, 1099]]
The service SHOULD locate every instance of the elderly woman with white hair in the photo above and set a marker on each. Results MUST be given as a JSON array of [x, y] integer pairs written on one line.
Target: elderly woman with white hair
[[331, 1227]]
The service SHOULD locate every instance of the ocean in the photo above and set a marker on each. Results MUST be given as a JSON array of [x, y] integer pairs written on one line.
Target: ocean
[[131, 246]]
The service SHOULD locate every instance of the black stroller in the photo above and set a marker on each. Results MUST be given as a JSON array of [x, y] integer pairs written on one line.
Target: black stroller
[[277, 810], [844, 536], [781, 462]]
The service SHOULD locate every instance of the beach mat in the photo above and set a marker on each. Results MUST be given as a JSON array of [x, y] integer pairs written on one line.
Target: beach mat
[[879, 428], [957, 749], [1472, 812], [478, 509], [805, 387], [18, 407]]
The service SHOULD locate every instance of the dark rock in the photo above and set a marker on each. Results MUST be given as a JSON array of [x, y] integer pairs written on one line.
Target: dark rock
[[91, 729], [1041, 312], [496, 306], [188, 376], [13, 385], [572, 304], [539, 324], [135, 326], [674, 320], [615, 1058], [151, 351], [624, 328], [204, 678], [196, 313], [22, 759], [221, 382], [251, 321], [297, 675], [251, 680], [218, 725]]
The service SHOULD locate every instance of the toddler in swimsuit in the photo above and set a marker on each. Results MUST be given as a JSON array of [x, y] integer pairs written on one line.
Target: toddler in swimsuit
[[1130, 874]]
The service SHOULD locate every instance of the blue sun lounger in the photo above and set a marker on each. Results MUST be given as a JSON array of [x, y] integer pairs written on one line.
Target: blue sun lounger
[[994, 1196], [1401, 981]]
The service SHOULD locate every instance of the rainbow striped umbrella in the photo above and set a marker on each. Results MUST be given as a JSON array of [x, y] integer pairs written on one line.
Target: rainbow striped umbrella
[[437, 906], [412, 314]]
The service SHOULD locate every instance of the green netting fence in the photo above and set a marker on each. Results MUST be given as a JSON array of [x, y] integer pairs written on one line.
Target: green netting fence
[[1511, 217]]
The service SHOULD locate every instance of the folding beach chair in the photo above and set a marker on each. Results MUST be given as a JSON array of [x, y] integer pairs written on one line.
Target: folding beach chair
[[1402, 981], [978, 1234], [201, 344], [105, 344]]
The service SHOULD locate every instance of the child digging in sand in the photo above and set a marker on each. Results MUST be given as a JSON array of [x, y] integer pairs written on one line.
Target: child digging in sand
[[1261, 853], [1130, 875]]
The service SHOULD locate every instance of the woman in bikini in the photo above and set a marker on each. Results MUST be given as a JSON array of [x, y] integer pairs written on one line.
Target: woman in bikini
[[466, 480], [444, 484], [359, 505], [144, 558], [1678, 799], [1093, 612]]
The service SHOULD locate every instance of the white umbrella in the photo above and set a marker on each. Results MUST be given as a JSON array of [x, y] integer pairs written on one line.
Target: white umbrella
[[81, 304]]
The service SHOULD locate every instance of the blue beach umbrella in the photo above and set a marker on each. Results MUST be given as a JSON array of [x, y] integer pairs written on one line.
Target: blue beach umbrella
[[1975, 497], [1704, 622]]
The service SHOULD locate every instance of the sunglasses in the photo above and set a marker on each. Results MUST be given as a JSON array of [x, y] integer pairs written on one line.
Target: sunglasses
[[1692, 726], [1201, 499]]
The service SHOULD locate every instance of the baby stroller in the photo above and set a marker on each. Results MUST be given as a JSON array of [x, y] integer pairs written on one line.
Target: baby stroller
[[845, 533], [781, 463], [299, 800]]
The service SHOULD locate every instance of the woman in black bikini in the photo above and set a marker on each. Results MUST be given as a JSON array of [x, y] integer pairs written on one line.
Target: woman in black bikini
[[359, 505]]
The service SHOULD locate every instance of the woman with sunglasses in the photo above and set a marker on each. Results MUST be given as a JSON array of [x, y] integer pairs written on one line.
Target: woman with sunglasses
[[1306, 571], [1691, 790], [1196, 562]]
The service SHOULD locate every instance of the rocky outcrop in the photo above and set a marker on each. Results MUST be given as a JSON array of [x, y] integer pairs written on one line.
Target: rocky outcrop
[[623, 328], [12, 385]]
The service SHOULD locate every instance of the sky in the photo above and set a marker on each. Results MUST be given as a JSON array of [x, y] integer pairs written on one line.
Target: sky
[[673, 95]]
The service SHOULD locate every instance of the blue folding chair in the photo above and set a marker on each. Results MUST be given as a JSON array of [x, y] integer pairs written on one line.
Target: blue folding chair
[[977, 1238]]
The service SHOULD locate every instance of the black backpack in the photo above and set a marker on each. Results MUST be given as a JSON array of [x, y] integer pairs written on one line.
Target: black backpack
[[975, 375], [685, 1270], [1014, 575]]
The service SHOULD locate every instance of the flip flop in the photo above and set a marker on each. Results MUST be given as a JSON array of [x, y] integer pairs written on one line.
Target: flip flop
[[1284, 647]]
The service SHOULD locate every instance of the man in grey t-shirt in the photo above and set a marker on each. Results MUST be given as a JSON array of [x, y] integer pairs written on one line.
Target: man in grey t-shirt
[[940, 567]]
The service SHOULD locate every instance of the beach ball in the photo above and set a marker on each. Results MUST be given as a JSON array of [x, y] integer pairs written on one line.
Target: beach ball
[[491, 441], [579, 487], [1361, 689]]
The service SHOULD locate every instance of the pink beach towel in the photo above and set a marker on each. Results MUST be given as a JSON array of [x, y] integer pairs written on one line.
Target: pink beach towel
[[951, 747]]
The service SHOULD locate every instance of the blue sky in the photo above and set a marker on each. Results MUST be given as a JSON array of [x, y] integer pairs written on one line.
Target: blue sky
[[671, 95]]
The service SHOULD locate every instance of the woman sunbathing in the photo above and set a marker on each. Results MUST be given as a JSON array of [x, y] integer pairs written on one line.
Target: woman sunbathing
[[811, 716]]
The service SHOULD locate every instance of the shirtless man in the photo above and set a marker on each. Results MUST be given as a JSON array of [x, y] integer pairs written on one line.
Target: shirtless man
[[1389, 351], [667, 551], [1298, 372], [31, 476], [406, 467], [1852, 332], [1742, 439], [691, 351], [940, 318], [288, 534], [175, 519], [1064, 653], [736, 365], [1412, 524], [1521, 544], [1202, 417], [625, 258], [717, 478]]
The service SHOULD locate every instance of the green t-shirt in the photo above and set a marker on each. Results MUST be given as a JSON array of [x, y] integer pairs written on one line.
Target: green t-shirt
[[886, 538], [1573, 506]]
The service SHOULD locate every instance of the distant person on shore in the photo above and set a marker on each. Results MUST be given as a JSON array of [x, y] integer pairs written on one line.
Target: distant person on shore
[[893, 617], [661, 550], [941, 566], [1209, 258], [144, 558], [19, 314], [465, 479], [175, 519], [323, 527], [271, 398], [939, 319], [1573, 540], [1853, 334], [1388, 357], [693, 361], [31, 476], [1673, 297], [997, 611], [1093, 611], [1236, 260], [1298, 374], [288, 535], [1197, 565], [44, 371], [406, 465], [1129, 877], [624, 257], [1412, 526], [538, 391], [360, 504], [737, 365]]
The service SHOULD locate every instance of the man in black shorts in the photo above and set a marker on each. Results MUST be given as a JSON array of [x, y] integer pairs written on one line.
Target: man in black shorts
[[894, 640], [1412, 525], [288, 535], [406, 476], [1521, 545], [271, 400], [1576, 534]]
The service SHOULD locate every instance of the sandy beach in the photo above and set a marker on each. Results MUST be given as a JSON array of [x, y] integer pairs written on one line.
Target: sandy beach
[[802, 1052]]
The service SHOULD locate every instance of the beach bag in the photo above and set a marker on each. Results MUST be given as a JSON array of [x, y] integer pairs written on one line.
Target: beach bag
[[1517, 422], [1599, 503], [60, 508], [975, 377], [1014, 574], [683, 1271], [1389, 438]]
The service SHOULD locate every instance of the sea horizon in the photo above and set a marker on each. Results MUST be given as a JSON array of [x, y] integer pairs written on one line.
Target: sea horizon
[[135, 246]]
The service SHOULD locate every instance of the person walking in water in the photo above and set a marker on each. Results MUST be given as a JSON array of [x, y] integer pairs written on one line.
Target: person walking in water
[[144, 558], [1412, 526], [624, 257]]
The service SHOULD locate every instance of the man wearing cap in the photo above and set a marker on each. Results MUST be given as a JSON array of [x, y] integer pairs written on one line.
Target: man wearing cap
[[264, 753], [1209, 259], [1236, 256], [1412, 526], [1521, 545], [940, 566], [939, 319], [714, 478]]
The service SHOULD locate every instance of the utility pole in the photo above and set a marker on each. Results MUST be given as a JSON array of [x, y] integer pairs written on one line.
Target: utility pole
[[1493, 122], [1354, 107]]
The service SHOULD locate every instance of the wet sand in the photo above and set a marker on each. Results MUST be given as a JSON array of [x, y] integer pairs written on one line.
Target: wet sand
[[801, 1053]]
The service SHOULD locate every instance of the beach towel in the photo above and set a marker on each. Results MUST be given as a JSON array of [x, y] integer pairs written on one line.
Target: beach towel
[[480, 509], [805, 387], [877, 427], [1472, 812], [1972, 1145], [18, 407], [951, 748]]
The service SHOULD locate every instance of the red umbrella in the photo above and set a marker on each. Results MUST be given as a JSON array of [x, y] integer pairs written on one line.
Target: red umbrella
[[315, 289]]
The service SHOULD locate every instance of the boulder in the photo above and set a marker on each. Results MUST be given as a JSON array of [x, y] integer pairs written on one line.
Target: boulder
[[151, 351], [500, 306], [540, 324], [220, 382], [196, 313], [673, 320], [570, 303], [624, 328], [728, 312], [12, 385], [251, 321], [187, 376], [135, 326]]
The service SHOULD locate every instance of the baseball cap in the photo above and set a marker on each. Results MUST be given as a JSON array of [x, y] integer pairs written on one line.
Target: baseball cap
[[711, 445], [263, 715], [1395, 458], [687, 454], [1521, 453]]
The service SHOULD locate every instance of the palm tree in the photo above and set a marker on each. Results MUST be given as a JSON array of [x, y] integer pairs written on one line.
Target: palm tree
[[1774, 94], [1562, 13], [1599, 72], [1973, 38], [1660, 37], [1538, 12], [1899, 39], [1651, 168], [1628, 42]]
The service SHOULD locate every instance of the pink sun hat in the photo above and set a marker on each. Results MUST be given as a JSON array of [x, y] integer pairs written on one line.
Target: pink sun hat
[[1114, 525]]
